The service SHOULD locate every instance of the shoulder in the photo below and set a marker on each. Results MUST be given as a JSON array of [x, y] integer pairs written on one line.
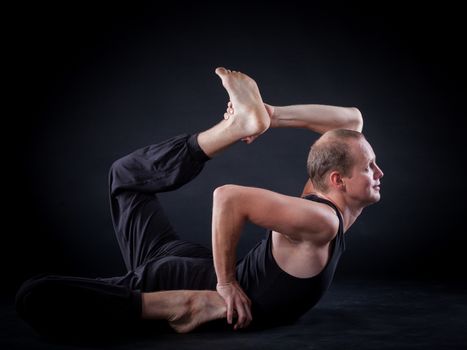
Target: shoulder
[[320, 223]]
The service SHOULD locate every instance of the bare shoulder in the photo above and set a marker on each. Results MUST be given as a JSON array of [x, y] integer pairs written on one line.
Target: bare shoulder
[[298, 218], [321, 225]]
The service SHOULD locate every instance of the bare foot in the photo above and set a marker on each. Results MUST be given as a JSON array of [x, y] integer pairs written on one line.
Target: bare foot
[[247, 105], [203, 306]]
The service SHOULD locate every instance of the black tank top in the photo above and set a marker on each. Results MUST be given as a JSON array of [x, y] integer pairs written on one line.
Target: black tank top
[[278, 297]]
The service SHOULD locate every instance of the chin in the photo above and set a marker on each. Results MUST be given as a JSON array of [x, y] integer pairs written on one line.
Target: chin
[[376, 198]]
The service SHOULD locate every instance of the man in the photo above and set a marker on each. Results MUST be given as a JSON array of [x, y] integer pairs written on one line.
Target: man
[[185, 283]]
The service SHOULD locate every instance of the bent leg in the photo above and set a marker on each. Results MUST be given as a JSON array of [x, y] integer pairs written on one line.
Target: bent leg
[[141, 225]]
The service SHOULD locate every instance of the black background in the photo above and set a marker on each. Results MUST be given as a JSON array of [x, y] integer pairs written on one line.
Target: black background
[[89, 83]]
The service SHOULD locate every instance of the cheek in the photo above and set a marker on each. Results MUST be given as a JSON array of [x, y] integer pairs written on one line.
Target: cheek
[[361, 184], [364, 184]]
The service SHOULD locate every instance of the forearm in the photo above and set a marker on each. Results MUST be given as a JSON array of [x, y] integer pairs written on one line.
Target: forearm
[[318, 118], [227, 224]]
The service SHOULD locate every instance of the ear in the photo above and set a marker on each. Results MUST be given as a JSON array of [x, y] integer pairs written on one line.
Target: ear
[[336, 180]]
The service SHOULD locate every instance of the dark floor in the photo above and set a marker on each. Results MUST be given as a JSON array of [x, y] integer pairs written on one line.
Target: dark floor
[[353, 315]]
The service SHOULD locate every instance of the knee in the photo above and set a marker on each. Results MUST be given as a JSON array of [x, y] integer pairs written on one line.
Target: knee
[[31, 296], [121, 174], [114, 174]]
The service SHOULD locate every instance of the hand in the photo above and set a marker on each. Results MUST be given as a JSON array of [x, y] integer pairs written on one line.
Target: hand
[[237, 301]]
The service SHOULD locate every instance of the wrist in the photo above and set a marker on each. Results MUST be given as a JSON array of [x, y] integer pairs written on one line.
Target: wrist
[[224, 283], [275, 114]]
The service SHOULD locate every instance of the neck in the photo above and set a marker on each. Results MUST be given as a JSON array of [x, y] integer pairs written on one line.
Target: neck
[[349, 212]]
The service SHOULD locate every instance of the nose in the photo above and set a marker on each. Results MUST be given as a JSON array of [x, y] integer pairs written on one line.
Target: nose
[[379, 173]]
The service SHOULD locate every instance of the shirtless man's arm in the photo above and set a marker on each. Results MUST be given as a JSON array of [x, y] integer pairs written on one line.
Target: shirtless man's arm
[[317, 118]]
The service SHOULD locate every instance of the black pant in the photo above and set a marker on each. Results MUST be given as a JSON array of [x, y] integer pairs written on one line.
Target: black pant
[[154, 255]]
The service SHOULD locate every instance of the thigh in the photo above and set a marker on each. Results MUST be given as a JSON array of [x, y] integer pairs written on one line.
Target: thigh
[[142, 227], [182, 248]]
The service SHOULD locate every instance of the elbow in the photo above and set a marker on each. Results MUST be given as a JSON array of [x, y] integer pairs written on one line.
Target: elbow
[[227, 204], [356, 119], [223, 194]]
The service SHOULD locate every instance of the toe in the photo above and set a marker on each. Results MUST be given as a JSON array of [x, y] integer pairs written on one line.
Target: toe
[[221, 71]]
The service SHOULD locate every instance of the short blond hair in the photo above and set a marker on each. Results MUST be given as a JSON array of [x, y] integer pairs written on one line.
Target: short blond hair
[[331, 152]]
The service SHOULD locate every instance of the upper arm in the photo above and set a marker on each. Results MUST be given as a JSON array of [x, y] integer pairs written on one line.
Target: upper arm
[[298, 218]]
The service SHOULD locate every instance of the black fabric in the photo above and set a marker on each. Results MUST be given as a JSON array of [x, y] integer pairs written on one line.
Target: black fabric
[[157, 259], [277, 296], [61, 305], [141, 226]]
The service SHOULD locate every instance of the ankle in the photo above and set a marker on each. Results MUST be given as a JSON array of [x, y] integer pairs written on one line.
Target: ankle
[[165, 305], [218, 138], [182, 308], [256, 124]]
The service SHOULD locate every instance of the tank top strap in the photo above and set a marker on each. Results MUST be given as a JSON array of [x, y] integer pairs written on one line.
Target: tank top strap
[[315, 198]]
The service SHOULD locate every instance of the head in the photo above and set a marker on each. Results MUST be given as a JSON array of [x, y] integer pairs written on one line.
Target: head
[[343, 161]]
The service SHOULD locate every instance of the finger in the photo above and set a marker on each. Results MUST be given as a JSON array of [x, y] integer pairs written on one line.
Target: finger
[[242, 292], [229, 312], [249, 316], [235, 317], [241, 315], [229, 104], [226, 116]]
